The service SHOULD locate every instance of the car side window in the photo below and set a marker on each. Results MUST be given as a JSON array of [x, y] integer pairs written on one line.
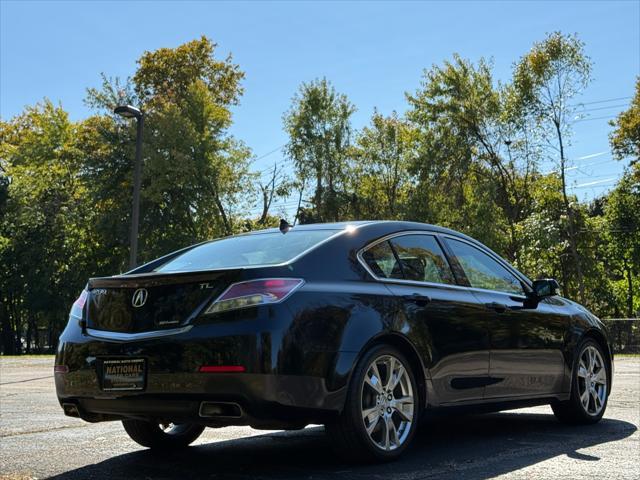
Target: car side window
[[421, 259], [382, 261], [482, 271]]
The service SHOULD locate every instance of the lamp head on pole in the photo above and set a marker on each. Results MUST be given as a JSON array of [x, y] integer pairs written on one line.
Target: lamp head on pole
[[128, 111]]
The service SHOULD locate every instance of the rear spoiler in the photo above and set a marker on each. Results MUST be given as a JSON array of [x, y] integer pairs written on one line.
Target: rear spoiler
[[154, 279]]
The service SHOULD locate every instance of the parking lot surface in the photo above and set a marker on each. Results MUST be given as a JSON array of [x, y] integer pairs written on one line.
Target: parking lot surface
[[38, 441]]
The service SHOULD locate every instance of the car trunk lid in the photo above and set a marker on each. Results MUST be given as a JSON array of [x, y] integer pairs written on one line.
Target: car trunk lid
[[152, 301]]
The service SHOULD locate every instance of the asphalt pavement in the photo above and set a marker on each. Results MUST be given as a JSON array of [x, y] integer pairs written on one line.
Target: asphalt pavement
[[37, 441]]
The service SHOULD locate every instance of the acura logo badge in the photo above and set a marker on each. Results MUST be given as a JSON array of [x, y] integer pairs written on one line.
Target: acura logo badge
[[139, 297]]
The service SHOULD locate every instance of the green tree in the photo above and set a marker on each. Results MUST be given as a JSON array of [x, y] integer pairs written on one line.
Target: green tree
[[381, 157], [473, 148], [319, 129], [43, 237], [546, 81], [625, 139], [622, 227], [65, 188], [168, 74], [195, 175]]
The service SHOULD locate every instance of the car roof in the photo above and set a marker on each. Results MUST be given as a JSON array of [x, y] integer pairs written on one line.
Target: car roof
[[393, 225], [316, 226]]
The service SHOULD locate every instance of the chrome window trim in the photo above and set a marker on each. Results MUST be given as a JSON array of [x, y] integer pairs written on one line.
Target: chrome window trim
[[431, 284], [398, 280], [131, 337]]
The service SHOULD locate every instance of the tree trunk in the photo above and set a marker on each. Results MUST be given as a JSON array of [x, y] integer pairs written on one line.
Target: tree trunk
[[225, 219], [29, 326], [629, 272], [265, 205], [570, 220], [318, 199], [565, 280], [267, 195]]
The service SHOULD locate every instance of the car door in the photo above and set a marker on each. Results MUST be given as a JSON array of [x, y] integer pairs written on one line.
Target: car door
[[526, 343], [441, 313]]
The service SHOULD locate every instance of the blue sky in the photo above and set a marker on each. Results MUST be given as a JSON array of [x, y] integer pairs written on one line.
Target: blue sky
[[372, 51]]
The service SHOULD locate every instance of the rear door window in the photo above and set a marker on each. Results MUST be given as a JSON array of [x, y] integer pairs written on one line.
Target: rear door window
[[421, 259], [413, 257], [382, 261]]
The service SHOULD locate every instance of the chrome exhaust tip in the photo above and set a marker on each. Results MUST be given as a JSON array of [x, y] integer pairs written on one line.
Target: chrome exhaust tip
[[71, 410], [220, 410]]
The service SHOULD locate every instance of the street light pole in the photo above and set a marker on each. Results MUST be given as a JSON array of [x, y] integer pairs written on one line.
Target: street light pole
[[127, 111], [137, 180]]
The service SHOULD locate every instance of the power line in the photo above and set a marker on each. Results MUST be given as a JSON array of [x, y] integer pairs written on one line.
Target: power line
[[592, 164], [604, 108], [603, 101], [585, 176], [593, 155], [578, 167], [268, 153], [589, 184], [594, 118], [272, 207], [269, 170], [592, 186]]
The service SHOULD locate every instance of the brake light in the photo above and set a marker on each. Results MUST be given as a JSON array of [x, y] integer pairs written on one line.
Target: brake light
[[255, 292], [78, 305], [221, 369]]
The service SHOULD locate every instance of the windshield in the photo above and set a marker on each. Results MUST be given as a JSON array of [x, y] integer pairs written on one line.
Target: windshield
[[247, 250]]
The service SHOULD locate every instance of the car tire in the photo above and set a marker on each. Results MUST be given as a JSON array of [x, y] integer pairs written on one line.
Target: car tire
[[380, 415], [589, 386], [162, 436]]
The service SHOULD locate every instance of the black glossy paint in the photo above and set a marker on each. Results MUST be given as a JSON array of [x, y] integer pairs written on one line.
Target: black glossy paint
[[299, 354]]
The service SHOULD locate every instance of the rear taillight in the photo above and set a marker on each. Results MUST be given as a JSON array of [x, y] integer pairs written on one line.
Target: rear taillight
[[221, 369], [78, 305], [255, 292]]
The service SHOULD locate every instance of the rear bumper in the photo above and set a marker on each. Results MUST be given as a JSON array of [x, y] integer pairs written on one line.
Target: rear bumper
[[262, 401], [280, 388]]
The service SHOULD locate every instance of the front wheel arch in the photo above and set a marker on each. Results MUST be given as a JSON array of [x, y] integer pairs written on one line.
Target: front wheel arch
[[598, 337]]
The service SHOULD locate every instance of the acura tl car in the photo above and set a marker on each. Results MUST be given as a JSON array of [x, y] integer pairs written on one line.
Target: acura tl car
[[362, 327]]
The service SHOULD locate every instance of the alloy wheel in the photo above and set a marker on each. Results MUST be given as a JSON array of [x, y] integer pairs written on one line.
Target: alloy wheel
[[592, 381], [387, 402]]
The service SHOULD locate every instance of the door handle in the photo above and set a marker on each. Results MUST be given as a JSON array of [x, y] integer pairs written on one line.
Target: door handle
[[420, 300], [498, 307]]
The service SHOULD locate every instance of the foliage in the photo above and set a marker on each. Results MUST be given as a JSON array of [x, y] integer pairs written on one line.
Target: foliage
[[475, 148], [622, 234], [43, 246], [66, 186], [380, 179], [625, 139], [546, 80], [467, 154], [319, 129]]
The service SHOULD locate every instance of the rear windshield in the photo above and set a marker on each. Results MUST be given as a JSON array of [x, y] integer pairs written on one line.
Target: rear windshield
[[247, 250]]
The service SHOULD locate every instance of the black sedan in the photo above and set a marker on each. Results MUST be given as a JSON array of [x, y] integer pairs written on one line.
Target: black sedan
[[361, 326]]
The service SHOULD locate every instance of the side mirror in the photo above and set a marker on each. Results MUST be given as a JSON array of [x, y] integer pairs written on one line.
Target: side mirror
[[546, 287]]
